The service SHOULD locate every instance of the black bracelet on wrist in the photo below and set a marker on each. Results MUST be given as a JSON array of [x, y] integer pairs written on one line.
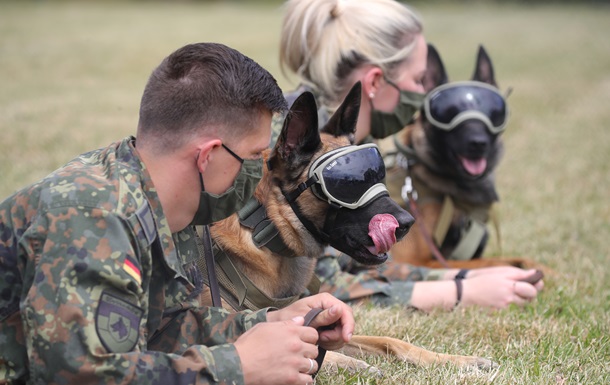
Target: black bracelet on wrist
[[458, 285], [459, 289], [461, 274]]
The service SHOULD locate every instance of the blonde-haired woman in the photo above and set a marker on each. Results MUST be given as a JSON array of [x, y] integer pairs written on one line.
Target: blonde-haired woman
[[333, 44]]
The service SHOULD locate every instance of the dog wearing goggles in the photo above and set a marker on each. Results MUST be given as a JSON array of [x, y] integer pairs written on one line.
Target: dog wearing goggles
[[317, 190], [443, 169]]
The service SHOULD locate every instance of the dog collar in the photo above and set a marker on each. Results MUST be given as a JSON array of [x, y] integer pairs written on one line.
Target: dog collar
[[264, 233]]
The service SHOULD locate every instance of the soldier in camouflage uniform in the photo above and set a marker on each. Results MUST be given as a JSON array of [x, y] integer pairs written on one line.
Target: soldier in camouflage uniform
[[99, 282], [331, 45]]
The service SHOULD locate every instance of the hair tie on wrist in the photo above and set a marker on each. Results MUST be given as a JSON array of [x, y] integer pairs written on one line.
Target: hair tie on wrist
[[461, 274], [459, 289], [458, 285]]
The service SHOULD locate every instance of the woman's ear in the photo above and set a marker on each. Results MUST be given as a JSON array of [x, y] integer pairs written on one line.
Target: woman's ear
[[371, 82]]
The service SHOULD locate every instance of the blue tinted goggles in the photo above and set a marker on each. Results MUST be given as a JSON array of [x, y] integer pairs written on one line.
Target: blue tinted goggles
[[350, 176], [450, 104]]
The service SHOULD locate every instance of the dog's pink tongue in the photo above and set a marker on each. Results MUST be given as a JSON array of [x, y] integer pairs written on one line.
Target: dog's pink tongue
[[382, 231], [474, 166]]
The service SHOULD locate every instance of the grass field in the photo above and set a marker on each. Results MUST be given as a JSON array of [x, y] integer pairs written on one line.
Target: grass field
[[71, 77]]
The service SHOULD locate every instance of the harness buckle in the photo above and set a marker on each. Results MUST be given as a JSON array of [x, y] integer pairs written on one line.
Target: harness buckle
[[407, 189]]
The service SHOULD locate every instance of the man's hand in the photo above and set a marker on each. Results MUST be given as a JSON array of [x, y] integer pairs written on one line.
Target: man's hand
[[335, 313], [278, 353]]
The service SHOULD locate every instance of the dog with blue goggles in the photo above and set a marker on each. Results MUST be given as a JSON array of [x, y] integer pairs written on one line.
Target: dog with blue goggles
[[350, 176], [448, 105]]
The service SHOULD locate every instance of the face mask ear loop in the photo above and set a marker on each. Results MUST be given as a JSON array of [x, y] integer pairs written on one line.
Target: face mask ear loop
[[200, 174], [201, 181], [508, 92], [208, 254]]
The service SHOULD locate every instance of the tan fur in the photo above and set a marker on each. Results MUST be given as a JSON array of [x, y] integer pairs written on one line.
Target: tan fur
[[273, 273]]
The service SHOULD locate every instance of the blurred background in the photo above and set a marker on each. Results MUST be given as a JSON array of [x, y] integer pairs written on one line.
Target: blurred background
[[72, 74]]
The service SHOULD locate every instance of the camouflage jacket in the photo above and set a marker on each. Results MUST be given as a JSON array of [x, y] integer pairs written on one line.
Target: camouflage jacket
[[388, 284], [95, 289]]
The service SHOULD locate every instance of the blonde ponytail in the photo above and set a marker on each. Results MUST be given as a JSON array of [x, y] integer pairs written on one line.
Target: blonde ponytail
[[323, 41]]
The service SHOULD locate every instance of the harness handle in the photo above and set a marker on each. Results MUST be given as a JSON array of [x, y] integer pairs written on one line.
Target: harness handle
[[313, 313]]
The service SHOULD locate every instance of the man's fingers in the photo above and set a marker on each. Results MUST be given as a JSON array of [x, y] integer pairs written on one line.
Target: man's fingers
[[326, 317], [338, 318], [311, 366], [310, 336]]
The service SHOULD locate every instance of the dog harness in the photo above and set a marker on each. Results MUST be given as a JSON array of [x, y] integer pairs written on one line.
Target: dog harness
[[236, 288], [473, 231]]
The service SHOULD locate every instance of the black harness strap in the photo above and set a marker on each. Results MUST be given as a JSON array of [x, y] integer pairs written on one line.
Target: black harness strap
[[264, 233], [313, 313]]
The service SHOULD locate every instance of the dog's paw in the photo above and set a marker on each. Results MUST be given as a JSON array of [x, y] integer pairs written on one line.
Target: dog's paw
[[484, 364], [335, 361]]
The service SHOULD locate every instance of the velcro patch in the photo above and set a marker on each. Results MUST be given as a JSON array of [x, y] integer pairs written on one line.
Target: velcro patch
[[117, 323]]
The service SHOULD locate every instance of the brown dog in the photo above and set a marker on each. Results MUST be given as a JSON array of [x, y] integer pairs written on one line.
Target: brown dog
[[265, 255], [444, 170]]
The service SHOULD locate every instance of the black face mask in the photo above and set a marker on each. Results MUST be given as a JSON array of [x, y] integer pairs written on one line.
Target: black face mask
[[384, 124], [213, 208]]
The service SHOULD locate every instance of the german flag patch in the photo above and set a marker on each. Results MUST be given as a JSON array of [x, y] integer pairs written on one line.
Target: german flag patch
[[131, 267]]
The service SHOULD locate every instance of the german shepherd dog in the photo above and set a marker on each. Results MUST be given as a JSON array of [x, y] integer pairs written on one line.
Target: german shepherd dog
[[451, 169], [306, 223]]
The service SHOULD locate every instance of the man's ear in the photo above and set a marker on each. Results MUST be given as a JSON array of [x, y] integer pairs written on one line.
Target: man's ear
[[205, 153]]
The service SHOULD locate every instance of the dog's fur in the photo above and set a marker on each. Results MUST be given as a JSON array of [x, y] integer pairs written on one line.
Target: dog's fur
[[299, 144], [440, 172]]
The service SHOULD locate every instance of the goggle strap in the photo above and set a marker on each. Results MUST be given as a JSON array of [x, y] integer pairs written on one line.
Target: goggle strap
[[320, 236], [292, 196]]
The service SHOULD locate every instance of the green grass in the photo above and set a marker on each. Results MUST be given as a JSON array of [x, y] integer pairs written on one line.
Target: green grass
[[71, 76]]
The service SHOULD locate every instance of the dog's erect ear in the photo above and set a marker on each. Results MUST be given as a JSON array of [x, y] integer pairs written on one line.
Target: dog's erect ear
[[300, 131], [484, 70], [435, 70], [343, 122]]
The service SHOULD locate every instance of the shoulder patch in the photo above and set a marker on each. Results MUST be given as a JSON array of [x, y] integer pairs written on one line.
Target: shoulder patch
[[117, 323]]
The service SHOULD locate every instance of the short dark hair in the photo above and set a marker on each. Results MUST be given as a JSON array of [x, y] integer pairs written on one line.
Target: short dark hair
[[205, 84]]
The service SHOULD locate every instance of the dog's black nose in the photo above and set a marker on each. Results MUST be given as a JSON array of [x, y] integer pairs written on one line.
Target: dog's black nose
[[405, 221], [477, 145]]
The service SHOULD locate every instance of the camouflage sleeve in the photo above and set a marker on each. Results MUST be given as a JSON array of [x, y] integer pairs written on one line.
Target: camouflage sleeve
[[388, 284], [84, 315], [397, 271]]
